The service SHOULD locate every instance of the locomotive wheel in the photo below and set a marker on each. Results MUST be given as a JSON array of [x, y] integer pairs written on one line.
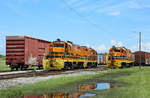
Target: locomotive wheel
[[89, 65], [95, 64], [21, 67], [123, 65], [39, 67], [128, 65], [67, 66], [17, 68], [26, 67], [74, 66], [12, 67], [80, 65]]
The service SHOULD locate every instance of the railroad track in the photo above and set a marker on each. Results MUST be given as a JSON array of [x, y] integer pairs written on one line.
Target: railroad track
[[12, 70], [27, 74], [12, 75]]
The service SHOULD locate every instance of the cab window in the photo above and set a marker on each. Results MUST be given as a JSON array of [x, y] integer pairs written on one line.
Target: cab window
[[58, 45]]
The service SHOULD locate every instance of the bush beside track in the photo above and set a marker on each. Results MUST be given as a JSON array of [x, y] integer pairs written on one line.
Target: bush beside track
[[3, 66]]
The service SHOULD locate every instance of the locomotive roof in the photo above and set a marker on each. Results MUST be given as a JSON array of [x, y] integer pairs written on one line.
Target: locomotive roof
[[71, 43]]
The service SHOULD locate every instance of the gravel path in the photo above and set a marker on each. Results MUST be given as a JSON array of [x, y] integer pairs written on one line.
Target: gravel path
[[15, 72], [4, 84]]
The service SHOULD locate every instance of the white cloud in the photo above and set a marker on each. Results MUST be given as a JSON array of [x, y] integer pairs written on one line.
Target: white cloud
[[15, 8], [113, 42], [101, 48], [24, 1], [72, 1], [146, 46], [120, 43], [133, 4], [77, 3], [109, 7], [121, 7], [137, 5], [116, 43], [87, 8], [116, 13], [134, 48], [113, 10]]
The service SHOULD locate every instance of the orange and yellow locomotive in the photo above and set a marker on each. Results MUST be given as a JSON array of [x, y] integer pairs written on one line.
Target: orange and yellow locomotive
[[66, 55], [120, 57]]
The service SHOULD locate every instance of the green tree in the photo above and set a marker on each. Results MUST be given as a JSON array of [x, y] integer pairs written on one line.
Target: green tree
[[2, 56]]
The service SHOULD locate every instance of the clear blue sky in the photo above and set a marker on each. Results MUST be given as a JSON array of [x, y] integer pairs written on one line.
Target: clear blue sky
[[116, 22]]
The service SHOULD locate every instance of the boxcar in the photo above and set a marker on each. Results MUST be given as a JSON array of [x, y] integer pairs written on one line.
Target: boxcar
[[24, 51], [145, 58], [102, 59]]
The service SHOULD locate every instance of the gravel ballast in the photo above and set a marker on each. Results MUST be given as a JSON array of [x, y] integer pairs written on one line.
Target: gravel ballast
[[4, 84]]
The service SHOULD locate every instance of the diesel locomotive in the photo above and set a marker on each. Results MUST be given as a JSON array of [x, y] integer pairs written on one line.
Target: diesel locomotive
[[120, 57], [67, 55]]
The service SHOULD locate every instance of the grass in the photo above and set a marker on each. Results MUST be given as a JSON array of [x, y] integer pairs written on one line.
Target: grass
[[130, 83], [135, 83], [53, 85], [3, 66]]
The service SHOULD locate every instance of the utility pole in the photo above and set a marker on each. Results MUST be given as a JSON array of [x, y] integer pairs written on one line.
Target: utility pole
[[140, 50]]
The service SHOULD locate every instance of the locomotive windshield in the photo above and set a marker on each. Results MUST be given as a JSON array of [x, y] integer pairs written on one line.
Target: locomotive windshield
[[116, 50], [58, 45]]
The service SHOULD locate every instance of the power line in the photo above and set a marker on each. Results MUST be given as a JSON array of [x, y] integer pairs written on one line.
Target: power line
[[83, 17]]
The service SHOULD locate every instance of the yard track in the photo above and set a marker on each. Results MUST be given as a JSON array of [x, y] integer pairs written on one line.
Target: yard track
[[34, 73], [13, 70]]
